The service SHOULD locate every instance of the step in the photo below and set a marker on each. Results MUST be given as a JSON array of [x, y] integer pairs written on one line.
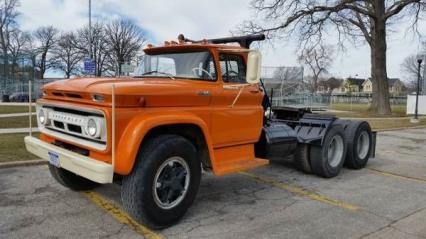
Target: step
[[237, 166]]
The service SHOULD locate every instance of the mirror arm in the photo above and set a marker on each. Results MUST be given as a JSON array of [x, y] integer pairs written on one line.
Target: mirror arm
[[238, 95]]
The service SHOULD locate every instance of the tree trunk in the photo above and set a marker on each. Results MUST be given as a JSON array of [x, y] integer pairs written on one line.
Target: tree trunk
[[314, 90], [380, 100], [5, 68], [373, 106]]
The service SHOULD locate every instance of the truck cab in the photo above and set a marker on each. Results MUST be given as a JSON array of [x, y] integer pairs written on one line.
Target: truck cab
[[191, 105]]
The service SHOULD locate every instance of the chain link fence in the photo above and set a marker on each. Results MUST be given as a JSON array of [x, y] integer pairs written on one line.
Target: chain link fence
[[288, 87], [285, 84], [15, 77]]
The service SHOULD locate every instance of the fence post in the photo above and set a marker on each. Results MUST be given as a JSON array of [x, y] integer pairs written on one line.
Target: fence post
[[29, 108]]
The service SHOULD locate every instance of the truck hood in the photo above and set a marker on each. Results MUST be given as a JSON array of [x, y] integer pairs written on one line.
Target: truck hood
[[130, 92]]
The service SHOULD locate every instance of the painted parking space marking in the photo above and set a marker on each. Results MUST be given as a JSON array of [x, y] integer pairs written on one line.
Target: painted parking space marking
[[120, 215], [395, 175], [301, 192]]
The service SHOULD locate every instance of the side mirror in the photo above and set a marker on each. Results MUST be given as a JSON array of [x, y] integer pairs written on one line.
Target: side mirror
[[254, 62]]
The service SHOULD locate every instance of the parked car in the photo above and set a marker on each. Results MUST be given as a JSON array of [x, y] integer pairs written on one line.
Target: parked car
[[22, 97]]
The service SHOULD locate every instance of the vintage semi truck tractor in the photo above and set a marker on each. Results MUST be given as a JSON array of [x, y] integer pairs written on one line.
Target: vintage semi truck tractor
[[192, 106]]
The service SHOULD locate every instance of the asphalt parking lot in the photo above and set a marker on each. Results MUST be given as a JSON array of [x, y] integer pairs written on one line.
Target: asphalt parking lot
[[385, 200]]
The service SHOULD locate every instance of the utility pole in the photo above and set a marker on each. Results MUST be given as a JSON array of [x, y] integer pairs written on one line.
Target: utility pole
[[423, 80], [416, 110], [90, 30]]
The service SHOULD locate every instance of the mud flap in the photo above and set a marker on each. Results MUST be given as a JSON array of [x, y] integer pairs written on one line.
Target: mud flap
[[373, 144]]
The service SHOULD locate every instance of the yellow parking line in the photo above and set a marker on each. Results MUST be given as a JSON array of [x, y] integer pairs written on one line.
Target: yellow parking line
[[398, 176], [301, 192], [121, 216]]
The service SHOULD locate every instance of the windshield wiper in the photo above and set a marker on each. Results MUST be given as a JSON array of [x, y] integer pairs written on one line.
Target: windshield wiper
[[159, 72]]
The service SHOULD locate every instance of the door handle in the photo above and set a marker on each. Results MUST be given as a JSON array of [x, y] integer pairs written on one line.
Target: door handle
[[203, 93], [254, 91]]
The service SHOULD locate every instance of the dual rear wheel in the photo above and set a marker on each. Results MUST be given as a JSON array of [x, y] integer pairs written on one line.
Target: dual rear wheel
[[346, 143]]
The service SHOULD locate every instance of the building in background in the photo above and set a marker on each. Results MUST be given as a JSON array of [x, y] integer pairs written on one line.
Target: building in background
[[350, 85], [396, 86]]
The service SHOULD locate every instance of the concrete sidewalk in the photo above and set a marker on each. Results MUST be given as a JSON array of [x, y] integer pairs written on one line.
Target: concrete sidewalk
[[15, 115], [17, 130], [16, 103]]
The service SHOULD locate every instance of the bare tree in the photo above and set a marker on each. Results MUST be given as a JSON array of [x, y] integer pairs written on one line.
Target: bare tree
[[289, 79], [410, 67], [367, 20], [19, 45], [308, 83], [99, 45], [8, 16], [46, 38], [317, 59], [66, 55], [330, 84], [124, 39]]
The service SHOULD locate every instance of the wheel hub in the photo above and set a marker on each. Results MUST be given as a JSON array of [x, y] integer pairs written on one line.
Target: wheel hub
[[363, 144], [335, 151], [171, 182]]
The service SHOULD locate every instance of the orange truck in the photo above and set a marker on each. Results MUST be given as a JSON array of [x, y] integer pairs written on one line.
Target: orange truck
[[192, 106]]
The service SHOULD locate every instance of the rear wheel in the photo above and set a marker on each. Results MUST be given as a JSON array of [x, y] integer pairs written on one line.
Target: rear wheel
[[359, 143], [301, 158], [71, 180], [327, 160], [164, 181]]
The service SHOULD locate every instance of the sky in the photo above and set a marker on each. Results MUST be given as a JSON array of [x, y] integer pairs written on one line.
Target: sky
[[199, 19]]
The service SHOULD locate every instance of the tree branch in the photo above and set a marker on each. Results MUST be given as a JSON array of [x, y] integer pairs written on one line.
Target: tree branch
[[398, 6]]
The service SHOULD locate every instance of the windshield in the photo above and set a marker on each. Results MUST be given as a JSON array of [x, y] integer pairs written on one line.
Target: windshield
[[189, 65]]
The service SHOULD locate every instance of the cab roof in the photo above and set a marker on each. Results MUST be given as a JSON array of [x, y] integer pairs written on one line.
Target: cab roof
[[185, 46], [184, 43]]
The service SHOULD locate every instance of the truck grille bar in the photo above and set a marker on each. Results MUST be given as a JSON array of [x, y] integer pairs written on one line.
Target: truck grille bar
[[71, 125]]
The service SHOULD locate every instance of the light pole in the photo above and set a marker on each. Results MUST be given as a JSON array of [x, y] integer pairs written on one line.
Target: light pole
[[90, 29], [416, 110]]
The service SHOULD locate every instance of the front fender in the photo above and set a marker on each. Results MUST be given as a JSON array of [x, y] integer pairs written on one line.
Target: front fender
[[132, 137]]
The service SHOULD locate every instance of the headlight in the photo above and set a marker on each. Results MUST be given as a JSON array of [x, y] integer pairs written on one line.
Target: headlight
[[92, 128], [42, 117]]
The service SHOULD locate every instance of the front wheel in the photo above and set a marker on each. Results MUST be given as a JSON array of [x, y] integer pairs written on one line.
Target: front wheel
[[71, 180], [163, 183], [327, 160]]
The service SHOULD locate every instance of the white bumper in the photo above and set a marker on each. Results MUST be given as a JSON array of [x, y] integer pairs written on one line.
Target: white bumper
[[86, 167]]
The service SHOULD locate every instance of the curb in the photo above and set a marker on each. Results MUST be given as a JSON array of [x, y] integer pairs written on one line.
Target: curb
[[23, 163], [402, 128]]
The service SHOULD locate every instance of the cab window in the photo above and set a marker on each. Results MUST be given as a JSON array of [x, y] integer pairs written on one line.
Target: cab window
[[233, 68], [197, 65]]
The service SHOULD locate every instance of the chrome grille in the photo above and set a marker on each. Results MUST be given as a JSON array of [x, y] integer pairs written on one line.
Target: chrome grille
[[70, 124]]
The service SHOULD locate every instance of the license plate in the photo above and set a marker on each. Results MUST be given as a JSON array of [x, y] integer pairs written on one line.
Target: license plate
[[54, 159]]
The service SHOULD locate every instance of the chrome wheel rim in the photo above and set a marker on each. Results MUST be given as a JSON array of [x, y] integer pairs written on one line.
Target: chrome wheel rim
[[335, 151], [363, 144], [171, 182]]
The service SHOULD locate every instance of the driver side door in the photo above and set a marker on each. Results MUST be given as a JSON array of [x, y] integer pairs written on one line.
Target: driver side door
[[238, 113]]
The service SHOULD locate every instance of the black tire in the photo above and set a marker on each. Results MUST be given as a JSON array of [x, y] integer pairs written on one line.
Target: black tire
[[71, 180], [301, 158], [138, 192], [319, 157], [357, 134], [342, 122]]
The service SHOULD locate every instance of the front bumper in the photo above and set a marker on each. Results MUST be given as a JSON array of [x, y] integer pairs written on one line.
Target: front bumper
[[86, 167]]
